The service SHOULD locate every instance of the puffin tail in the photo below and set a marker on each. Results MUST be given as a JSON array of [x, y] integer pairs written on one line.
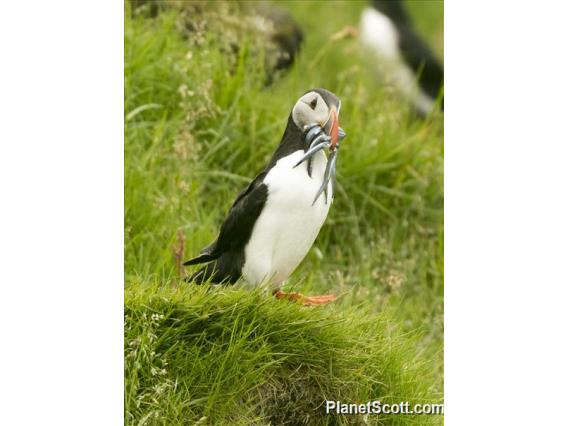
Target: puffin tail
[[208, 254], [202, 258], [207, 272]]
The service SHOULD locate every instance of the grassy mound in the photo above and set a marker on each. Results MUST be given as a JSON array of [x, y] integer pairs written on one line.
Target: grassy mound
[[234, 357]]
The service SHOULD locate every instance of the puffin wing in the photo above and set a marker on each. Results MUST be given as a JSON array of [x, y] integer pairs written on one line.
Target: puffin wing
[[205, 255], [237, 227]]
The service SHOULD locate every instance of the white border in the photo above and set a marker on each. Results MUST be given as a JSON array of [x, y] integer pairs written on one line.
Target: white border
[[61, 177], [61, 236], [506, 212]]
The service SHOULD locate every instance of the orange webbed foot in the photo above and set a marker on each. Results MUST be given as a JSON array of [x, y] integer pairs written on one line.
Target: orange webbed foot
[[306, 300]]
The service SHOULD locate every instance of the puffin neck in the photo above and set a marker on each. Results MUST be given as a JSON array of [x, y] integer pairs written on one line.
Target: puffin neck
[[292, 140]]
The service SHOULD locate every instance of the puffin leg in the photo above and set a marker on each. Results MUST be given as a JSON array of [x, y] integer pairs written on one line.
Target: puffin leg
[[305, 300], [318, 300]]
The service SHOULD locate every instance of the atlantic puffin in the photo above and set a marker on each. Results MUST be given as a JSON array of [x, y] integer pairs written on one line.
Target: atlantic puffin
[[404, 57], [274, 221]]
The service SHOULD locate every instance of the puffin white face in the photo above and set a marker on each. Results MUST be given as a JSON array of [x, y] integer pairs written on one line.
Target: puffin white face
[[316, 114], [310, 109]]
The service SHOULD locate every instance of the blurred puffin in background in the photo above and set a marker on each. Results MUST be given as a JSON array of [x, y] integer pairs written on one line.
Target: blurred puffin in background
[[403, 56], [273, 222], [272, 27]]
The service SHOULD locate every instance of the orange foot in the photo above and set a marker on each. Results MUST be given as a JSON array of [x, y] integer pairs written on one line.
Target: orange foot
[[305, 300]]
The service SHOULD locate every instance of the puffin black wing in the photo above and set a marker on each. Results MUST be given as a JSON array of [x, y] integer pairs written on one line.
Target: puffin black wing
[[228, 249], [205, 255]]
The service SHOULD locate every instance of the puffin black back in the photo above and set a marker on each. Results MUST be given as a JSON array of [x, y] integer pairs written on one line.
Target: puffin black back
[[227, 251]]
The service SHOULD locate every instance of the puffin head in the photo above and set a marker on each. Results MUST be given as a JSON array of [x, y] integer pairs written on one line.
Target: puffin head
[[318, 106]]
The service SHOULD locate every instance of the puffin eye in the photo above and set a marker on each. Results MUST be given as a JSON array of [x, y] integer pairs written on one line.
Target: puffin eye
[[313, 103]]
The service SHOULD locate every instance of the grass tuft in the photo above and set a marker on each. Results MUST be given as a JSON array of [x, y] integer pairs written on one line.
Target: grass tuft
[[238, 357]]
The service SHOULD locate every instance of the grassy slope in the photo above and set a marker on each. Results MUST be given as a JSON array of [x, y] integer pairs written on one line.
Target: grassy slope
[[235, 357], [194, 134]]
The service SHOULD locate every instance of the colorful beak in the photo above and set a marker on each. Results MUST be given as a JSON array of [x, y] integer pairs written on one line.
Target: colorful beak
[[334, 133], [331, 127]]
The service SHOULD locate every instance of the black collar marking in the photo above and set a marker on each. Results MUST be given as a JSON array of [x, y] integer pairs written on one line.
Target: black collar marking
[[292, 141]]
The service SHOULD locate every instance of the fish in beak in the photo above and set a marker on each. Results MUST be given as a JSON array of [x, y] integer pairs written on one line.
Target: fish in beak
[[324, 135]]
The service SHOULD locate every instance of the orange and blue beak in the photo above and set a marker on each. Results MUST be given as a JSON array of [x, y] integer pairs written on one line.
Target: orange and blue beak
[[334, 131], [331, 127]]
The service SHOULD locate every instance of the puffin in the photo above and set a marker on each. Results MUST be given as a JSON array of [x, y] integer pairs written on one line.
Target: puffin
[[386, 29], [275, 220]]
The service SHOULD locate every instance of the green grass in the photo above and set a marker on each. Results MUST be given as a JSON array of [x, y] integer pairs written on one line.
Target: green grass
[[200, 123], [236, 357]]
